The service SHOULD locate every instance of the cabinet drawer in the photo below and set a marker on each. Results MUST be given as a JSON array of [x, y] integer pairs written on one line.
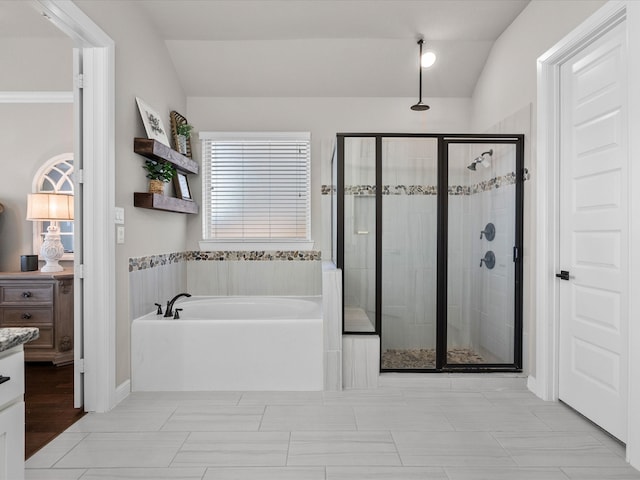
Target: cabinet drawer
[[26, 294], [20, 316], [45, 340], [12, 366]]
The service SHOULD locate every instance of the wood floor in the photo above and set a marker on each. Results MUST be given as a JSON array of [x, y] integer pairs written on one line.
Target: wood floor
[[49, 403]]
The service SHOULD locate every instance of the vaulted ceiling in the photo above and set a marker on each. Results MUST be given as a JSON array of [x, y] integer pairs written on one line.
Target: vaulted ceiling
[[314, 48], [318, 48]]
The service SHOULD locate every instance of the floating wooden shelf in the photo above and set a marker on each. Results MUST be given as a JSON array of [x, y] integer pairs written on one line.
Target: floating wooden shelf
[[160, 152], [155, 201]]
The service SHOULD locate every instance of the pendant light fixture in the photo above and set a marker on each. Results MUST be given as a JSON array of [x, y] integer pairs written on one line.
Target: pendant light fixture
[[420, 107]]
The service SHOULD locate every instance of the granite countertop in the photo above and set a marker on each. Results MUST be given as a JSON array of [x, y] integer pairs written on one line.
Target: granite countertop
[[12, 337]]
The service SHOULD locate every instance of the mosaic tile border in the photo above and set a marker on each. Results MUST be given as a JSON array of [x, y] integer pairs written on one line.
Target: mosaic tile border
[[484, 186], [151, 261]]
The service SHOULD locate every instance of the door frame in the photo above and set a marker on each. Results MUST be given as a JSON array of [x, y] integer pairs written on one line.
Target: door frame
[[544, 381], [98, 146]]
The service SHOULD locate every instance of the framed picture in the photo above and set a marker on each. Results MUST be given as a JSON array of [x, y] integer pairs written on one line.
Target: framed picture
[[152, 123], [181, 186]]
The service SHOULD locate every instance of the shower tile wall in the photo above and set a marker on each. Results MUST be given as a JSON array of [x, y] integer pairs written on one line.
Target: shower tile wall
[[409, 221], [359, 234], [481, 300]]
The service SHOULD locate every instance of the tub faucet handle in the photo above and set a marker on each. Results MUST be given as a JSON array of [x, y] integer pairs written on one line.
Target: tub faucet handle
[[159, 312], [176, 315]]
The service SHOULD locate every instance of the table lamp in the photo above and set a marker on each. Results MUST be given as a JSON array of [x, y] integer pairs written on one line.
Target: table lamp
[[51, 207]]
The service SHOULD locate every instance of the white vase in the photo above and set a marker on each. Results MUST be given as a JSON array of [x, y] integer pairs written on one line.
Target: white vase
[[182, 144]]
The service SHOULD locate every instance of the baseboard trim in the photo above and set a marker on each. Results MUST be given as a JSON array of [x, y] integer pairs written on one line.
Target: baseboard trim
[[532, 384], [122, 391]]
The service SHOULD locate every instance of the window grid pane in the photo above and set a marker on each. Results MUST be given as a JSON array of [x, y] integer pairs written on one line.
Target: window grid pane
[[257, 189]]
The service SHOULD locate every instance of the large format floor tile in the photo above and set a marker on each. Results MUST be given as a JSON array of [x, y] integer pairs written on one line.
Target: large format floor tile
[[445, 427], [385, 473], [237, 449], [558, 449], [55, 450], [504, 473], [496, 420], [144, 473], [121, 421], [54, 474], [214, 419], [404, 419], [295, 418], [450, 448], [342, 448], [133, 449], [265, 473]]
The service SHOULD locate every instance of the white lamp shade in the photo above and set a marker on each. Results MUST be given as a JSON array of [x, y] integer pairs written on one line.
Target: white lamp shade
[[49, 206]]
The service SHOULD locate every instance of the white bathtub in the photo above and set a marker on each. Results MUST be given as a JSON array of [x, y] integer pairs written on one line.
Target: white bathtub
[[230, 343]]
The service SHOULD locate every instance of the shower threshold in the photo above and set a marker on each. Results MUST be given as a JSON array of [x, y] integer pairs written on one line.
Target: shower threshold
[[422, 358]]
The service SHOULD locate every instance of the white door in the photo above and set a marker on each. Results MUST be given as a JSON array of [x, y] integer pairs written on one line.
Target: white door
[[594, 233]]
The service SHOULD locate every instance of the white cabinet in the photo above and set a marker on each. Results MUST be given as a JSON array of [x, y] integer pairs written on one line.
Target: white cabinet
[[12, 414]]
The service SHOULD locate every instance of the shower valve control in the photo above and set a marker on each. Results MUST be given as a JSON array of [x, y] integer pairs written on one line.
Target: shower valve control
[[563, 275]]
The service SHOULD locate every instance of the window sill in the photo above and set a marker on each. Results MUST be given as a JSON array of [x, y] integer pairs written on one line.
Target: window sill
[[218, 246]]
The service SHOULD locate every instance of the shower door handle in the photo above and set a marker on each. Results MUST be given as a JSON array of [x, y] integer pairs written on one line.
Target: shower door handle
[[563, 275]]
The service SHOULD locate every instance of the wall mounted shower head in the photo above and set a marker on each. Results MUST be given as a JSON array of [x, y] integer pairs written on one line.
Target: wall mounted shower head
[[484, 159]]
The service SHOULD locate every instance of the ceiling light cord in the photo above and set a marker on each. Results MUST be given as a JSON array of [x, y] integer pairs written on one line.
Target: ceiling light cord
[[420, 107]]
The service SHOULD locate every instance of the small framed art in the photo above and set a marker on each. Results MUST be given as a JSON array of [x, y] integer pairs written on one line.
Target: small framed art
[[181, 186]]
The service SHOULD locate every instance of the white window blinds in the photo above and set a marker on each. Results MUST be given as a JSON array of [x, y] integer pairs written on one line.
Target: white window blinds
[[256, 186]]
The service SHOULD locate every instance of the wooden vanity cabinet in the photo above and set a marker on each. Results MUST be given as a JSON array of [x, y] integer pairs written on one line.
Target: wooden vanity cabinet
[[45, 301]]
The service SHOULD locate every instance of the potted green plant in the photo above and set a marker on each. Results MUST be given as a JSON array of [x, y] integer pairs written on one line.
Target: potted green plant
[[184, 132], [158, 174]]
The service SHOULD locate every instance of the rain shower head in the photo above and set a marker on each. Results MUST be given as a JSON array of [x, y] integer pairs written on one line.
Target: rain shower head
[[484, 159], [420, 107]]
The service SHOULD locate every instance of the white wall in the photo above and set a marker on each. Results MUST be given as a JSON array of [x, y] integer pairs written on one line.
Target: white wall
[[506, 90], [142, 68], [36, 63], [323, 117], [508, 80], [21, 159], [32, 133]]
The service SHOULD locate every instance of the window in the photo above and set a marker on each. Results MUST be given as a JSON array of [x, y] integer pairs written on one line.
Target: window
[[55, 176], [256, 187]]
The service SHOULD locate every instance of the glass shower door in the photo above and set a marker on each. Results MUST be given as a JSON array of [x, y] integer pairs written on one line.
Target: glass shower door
[[359, 234], [409, 259], [482, 254]]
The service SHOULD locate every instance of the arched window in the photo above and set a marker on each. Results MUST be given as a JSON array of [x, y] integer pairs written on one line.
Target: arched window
[[55, 176]]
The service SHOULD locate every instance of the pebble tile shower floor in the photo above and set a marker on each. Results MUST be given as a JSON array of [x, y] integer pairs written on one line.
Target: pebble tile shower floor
[[444, 427], [426, 357]]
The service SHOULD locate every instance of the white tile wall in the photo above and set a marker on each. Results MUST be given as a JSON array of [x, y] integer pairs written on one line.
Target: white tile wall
[[332, 313], [220, 278], [155, 285]]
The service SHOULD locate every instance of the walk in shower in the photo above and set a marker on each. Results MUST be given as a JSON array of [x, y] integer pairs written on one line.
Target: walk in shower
[[429, 238]]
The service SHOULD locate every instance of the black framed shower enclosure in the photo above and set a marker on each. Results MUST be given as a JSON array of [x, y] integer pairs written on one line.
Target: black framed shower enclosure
[[428, 234]]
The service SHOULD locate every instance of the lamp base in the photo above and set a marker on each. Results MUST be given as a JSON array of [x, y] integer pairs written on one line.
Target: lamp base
[[52, 268], [52, 250]]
